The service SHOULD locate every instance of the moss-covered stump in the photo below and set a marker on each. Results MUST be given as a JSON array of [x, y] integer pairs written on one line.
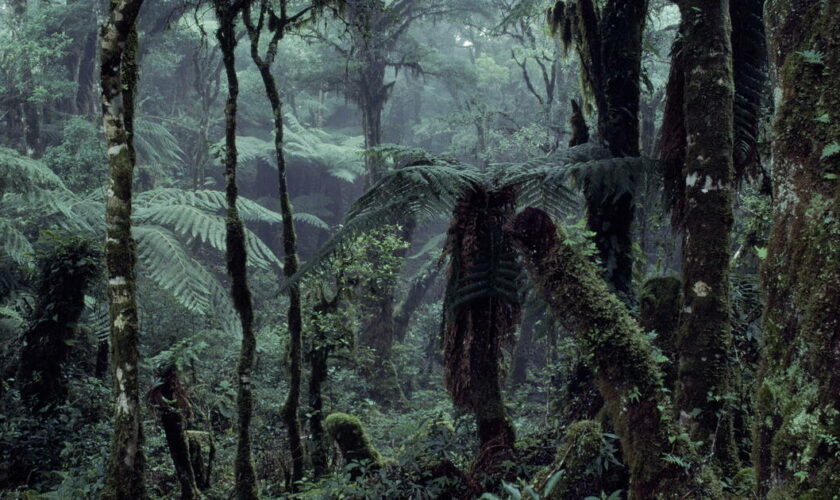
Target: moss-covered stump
[[661, 465], [659, 303], [578, 479], [202, 453], [348, 433]]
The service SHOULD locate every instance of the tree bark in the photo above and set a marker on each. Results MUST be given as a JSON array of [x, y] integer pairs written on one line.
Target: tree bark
[[800, 372], [704, 341], [627, 375], [245, 477], [118, 77]]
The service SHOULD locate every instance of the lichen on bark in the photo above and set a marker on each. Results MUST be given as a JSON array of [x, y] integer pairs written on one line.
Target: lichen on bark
[[118, 77], [704, 340]]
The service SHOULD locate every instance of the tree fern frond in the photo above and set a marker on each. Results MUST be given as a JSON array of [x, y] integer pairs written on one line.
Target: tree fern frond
[[19, 174], [15, 244], [155, 144], [749, 53], [312, 220], [164, 260], [193, 222]]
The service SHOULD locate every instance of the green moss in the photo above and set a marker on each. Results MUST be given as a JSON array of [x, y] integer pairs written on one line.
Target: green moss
[[576, 462], [796, 450], [347, 431], [202, 452], [627, 374]]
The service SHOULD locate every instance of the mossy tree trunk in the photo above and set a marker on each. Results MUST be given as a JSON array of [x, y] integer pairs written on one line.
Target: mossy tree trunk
[[798, 402], [278, 26], [118, 77], [660, 301], [621, 355], [170, 403], [245, 477], [704, 341]]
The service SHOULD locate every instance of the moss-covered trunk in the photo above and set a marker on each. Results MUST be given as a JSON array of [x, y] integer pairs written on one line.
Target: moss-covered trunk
[[290, 256], [170, 403], [245, 478], [797, 454], [626, 373], [118, 77], [704, 341]]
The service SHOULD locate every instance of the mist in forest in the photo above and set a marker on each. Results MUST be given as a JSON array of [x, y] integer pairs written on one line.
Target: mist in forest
[[419, 249]]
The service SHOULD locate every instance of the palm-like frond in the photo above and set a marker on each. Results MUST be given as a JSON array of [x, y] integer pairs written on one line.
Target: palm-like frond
[[19, 174]]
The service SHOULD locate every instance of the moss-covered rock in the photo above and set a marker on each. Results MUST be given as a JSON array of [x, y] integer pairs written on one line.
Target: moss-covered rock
[[575, 461], [348, 433]]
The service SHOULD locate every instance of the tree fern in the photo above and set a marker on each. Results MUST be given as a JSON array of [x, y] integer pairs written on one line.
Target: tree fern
[[431, 187]]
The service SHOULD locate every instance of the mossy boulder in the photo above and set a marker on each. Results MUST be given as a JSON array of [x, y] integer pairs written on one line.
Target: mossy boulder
[[578, 478], [348, 433]]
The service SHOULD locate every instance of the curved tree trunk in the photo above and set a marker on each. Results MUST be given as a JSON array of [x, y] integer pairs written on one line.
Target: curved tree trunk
[[626, 373], [245, 478], [704, 341], [118, 67], [800, 373]]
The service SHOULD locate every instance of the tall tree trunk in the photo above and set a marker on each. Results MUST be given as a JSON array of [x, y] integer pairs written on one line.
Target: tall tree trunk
[[245, 478], [295, 323], [798, 402], [118, 77], [318, 362], [610, 49], [626, 373], [704, 341]]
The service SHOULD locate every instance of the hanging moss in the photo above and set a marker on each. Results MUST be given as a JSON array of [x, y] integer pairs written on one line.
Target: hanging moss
[[348, 433]]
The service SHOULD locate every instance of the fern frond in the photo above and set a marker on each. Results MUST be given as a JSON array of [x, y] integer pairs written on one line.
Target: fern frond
[[155, 144], [312, 220], [15, 244], [193, 222], [19, 174], [749, 54], [164, 260]]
